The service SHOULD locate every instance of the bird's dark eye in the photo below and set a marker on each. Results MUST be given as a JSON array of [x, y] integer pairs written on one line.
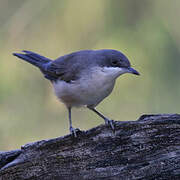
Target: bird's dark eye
[[114, 62]]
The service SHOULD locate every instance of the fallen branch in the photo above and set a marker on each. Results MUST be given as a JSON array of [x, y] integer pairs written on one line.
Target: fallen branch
[[148, 148]]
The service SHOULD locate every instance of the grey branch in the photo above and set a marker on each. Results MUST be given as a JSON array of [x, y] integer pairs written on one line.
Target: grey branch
[[148, 148]]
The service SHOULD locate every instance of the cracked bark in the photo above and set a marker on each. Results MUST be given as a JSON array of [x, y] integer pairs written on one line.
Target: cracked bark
[[148, 148]]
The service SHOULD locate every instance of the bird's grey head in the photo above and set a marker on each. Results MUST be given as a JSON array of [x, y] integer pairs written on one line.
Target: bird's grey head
[[115, 60]]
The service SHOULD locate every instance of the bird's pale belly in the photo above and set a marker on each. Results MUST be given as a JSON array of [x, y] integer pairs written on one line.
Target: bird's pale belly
[[83, 92]]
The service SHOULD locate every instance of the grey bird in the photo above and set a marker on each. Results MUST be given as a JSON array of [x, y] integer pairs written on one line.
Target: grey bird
[[82, 78]]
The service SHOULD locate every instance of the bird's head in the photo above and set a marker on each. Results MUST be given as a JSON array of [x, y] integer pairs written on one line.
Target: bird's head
[[115, 62]]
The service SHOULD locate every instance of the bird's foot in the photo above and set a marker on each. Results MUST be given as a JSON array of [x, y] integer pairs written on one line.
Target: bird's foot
[[109, 122], [73, 131]]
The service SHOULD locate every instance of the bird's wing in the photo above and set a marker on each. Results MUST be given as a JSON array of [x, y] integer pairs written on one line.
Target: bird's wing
[[66, 68]]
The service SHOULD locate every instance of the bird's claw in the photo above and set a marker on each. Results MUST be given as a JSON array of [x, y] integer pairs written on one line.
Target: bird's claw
[[110, 122], [73, 131]]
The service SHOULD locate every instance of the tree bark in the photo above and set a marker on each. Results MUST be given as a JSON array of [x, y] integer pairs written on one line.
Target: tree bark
[[148, 148]]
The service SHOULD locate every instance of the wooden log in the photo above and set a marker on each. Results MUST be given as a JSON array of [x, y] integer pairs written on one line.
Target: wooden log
[[148, 148]]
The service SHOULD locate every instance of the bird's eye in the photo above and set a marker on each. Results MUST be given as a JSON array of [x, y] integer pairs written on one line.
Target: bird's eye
[[114, 62]]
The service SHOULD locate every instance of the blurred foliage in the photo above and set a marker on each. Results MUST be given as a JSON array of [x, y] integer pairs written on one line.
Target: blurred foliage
[[146, 31]]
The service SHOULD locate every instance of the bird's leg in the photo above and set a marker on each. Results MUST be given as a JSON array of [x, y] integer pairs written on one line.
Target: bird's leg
[[71, 129], [107, 121]]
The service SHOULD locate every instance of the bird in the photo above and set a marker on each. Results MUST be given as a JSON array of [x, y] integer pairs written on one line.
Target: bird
[[82, 78]]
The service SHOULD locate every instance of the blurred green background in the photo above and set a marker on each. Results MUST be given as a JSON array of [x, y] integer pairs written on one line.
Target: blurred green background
[[148, 32]]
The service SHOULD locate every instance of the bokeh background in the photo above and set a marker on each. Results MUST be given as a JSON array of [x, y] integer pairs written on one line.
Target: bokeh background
[[148, 32]]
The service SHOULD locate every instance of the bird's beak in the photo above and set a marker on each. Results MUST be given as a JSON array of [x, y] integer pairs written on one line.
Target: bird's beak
[[133, 71]]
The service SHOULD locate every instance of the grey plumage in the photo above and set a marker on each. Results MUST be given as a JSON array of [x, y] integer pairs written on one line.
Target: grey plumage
[[82, 78], [70, 66]]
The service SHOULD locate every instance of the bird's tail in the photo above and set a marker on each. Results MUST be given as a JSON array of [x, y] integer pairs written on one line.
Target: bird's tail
[[33, 58]]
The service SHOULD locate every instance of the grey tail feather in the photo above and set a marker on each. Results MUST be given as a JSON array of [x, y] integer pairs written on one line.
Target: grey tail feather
[[33, 58]]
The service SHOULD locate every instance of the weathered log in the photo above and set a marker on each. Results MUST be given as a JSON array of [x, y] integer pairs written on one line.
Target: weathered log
[[148, 148]]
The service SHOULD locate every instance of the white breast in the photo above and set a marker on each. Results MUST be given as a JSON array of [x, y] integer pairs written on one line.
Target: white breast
[[91, 89]]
